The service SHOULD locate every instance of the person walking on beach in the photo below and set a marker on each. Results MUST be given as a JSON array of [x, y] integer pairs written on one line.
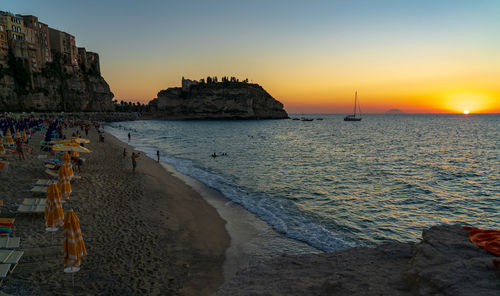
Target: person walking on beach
[[158, 154], [19, 148], [124, 152], [129, 137], [134, 160]]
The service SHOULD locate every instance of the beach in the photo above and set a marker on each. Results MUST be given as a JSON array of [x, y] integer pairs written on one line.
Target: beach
[[146, 233]]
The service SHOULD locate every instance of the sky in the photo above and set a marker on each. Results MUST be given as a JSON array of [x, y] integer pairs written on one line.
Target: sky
[[423, 56]]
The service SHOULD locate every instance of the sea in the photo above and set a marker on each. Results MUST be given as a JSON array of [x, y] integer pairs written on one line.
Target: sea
[[334, 184]]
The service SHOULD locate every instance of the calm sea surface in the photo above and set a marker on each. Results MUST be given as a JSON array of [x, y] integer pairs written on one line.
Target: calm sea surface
[[336, 184]]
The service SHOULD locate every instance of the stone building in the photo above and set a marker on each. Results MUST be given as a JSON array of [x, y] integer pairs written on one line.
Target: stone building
[[64, 43], [93, 63], [82, 58], [40, 32], [4, 45], [187, 83], [14, 25], [33, 60]]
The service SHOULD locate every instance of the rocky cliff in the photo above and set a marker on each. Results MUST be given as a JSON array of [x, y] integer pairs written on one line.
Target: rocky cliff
[[225, 100], [56, 88], [445, 262]]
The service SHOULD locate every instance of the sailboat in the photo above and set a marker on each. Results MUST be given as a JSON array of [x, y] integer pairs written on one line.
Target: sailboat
[[357, 110]]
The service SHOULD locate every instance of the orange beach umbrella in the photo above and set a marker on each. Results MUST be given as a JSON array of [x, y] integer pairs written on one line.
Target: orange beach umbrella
[[25, 137], [2, 148], [54, 216], [63, 181], [66, 159], [8, 138], [74, 248], [18, 135]]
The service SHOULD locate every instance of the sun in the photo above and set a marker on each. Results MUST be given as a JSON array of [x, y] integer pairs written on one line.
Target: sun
[[466, 112]]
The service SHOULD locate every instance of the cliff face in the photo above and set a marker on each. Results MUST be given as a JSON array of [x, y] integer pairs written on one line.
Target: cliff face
[[231, 100], [70, 91]]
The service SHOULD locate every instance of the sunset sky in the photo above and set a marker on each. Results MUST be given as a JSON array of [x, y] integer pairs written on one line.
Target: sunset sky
[[418, 56]]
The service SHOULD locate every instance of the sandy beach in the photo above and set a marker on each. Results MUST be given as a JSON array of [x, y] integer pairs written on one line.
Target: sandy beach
[[145, 234]]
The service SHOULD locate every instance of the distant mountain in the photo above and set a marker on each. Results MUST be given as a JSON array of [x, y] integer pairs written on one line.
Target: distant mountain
[[394, 111]]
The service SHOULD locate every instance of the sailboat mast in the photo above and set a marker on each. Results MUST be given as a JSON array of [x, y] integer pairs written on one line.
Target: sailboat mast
[[355, 101]]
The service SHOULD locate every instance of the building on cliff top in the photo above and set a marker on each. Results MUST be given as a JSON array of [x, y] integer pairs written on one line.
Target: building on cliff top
[[64, 43], [187, 83], [89, 61], [14, 26], [36, 44], [4, 45], [37, 36]]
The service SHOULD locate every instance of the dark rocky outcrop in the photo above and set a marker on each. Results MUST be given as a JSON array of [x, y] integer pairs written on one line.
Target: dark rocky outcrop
[[57, 88], [445, 262], [224, 100]]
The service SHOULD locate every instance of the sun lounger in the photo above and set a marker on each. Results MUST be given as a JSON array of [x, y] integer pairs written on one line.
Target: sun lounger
[[34, 201], [31, 209], [6, 227], [45, 182], [4, 270], [10, 257], [7, 242], [52, 173], [40, 189]]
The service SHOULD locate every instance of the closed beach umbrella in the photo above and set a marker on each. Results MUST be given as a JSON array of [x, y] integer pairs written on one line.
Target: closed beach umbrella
[[54, 216], [2, 148], [66, 159], [18, 135], [25, 137], [8, 138], [63, 182], [74, 248], [75, 154]]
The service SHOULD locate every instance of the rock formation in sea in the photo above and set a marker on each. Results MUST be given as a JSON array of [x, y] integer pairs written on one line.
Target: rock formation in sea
[[229, 99], [445, 262], [58, 87]]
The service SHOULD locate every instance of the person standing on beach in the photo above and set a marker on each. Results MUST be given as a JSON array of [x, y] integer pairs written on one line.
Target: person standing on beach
[[158, 154], [134, 160], [124, 152], [129, 137], [20, 148]]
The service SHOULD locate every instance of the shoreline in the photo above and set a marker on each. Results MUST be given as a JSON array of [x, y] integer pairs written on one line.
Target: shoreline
[[147, 233], [251, 239]]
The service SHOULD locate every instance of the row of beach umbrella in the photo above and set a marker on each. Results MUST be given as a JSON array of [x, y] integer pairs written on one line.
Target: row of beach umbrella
[[74, 247]]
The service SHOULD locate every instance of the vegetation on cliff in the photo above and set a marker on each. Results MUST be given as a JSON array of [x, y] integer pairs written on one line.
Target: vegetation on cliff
[[57, 87]]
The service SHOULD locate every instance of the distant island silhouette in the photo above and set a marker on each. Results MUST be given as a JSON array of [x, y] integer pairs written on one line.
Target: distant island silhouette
[[394, 111]]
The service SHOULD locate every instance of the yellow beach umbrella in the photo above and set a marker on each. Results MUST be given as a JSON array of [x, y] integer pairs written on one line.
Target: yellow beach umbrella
[[74, 248], [54, 216], [8, 138], [72, 140], [25, 137], [63, 182], [18, 135], [2, 148], [69, 147], [79, 140]]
